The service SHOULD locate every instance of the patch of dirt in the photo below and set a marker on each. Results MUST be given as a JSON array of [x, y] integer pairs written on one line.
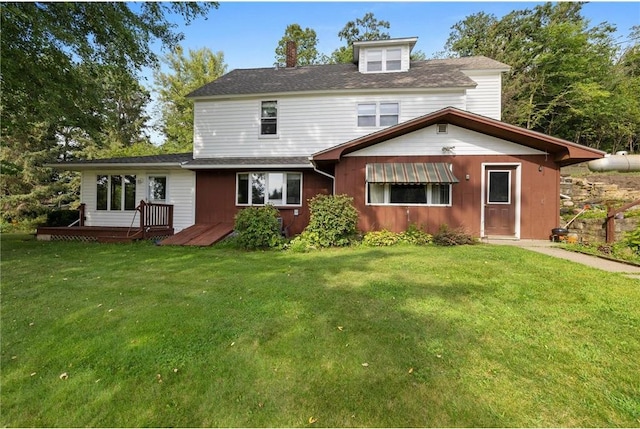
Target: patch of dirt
[[623, 180]]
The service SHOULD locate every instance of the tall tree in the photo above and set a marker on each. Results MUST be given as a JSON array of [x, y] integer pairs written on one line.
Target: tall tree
[[561, 68], [186, 73], [306, 44], [57, 97], [365, 28]]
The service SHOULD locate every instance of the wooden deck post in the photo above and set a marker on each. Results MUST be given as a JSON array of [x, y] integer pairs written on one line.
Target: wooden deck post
[[142, 217], [611, 222], [81, 211]]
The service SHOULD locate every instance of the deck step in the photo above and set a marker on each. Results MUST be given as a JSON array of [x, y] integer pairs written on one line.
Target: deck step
[[204, 234]]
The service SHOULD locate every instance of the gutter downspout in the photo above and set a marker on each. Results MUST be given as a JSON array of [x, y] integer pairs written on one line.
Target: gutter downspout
[[333, 179]]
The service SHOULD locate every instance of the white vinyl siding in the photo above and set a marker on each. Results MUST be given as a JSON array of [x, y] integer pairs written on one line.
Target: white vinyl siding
[[459, 141], [485, 98], [180, 192], [306, 124]]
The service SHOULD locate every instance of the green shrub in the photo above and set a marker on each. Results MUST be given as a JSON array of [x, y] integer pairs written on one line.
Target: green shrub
[[414, 235], [62, 217], [333, 221], [632, 240], [304, 242], [258, 227], [452, 237], [381, 238]]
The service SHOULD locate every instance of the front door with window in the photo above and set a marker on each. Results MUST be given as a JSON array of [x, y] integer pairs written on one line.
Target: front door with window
[[500, 204]]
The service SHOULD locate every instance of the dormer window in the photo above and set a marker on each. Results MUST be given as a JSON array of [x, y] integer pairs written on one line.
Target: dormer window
[[383, 60], [394, 59]]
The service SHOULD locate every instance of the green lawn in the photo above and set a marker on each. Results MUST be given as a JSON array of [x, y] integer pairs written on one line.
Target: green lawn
[[364, 337]]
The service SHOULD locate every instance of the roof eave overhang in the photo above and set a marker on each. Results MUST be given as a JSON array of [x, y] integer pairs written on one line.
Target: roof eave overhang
[[563, 151], [246, 166], [112, 166], [411, 41], [331, 92], [487, 71]]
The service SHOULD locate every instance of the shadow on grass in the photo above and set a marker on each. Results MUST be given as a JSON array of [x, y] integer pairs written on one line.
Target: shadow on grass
[[209, 337]]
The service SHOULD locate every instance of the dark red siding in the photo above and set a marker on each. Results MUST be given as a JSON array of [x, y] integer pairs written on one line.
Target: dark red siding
[[539, 195], [216, 198]]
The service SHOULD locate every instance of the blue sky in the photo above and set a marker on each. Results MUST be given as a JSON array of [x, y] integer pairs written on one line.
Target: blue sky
[[248, 32]]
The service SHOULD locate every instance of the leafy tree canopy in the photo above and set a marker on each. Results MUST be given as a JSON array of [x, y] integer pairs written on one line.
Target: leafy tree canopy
[[366, 28], [70, 88], [187, 73], [564, 77], [306, 44]]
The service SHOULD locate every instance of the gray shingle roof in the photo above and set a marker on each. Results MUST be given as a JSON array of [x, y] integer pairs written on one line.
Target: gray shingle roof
[[174, 158], [254, 162], [443, 73], [186, 160]]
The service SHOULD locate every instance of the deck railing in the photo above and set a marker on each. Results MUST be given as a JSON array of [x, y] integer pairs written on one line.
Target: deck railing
[[611, 219], [153, 215]]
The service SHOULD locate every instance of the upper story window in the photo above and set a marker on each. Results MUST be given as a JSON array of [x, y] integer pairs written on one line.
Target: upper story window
[[269, 118], [393, 61], [383, 60], [378, 114], [116, 192]]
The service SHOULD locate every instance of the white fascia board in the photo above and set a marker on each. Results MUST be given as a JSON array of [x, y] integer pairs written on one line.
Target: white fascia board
[[341, 92], [247, 166], [387, 42], [95, 166], [485, 71], [411, 41]]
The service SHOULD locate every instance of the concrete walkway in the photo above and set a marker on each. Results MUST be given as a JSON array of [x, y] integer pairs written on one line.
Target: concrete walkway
[[552, 249]]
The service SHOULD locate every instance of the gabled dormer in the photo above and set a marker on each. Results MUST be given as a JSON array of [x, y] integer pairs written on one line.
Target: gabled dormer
[[383, 56]]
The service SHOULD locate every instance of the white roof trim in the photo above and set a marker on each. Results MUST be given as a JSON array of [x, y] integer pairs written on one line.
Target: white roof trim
[[114, 165], [245, 166]]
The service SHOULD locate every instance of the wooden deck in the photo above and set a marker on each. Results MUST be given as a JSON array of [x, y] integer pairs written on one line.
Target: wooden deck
[[102, 234], [202, 234]]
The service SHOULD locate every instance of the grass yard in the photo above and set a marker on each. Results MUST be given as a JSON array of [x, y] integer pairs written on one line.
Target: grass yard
[[140, 335]]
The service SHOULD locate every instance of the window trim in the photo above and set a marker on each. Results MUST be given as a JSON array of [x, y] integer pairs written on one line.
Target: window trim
[[123, 193], [378, 114], [284, 203], [387, 196], [261, 118], [383, 59], [166, 189]]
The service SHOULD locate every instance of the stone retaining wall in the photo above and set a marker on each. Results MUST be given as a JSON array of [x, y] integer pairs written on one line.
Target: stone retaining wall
[[594, 230], [581, 192]]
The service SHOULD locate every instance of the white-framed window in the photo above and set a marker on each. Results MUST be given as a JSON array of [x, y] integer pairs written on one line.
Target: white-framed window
[[273, 187], [393, 60], [425, 194], [378, 114], [383, 60], [158, 189], [115, 192], [269, 118]]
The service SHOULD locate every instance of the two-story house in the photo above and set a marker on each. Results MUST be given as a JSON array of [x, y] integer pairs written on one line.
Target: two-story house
[[411, 141]]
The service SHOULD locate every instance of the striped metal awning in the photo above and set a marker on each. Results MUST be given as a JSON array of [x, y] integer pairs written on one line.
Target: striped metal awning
[[410, 173]]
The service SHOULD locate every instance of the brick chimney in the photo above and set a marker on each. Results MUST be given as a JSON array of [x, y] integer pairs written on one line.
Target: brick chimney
[[292, 54]]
